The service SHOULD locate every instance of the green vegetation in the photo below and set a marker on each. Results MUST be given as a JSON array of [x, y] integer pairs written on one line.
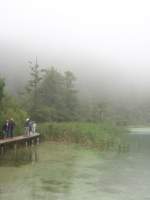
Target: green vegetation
[[89, 134], [10, 108], [50, 95], [51, 99]]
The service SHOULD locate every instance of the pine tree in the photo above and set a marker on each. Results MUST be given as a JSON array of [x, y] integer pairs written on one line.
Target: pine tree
[[32, 88]]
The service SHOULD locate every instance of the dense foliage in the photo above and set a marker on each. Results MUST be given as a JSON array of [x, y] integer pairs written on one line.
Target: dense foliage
[[90, 134], [51, 95], [10, 109]]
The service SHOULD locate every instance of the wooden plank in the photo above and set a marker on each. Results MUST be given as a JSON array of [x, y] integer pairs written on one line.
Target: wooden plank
[[18, 138]]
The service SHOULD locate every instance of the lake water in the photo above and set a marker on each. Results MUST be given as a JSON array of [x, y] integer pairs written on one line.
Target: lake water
[[53, 171]]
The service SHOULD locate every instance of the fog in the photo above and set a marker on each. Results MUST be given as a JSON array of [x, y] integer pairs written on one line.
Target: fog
[[105, 43]]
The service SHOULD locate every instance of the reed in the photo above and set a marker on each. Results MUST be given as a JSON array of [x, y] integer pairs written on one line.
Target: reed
[[89, 134]]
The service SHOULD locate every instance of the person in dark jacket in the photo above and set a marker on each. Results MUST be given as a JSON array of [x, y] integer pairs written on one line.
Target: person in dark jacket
[[11, 127], [5, 129]]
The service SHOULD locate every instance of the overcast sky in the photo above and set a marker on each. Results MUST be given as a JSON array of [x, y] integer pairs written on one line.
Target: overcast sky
[[101, 35]]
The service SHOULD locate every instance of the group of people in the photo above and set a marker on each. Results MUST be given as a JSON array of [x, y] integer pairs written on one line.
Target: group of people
[[9, 126], [30, 127]]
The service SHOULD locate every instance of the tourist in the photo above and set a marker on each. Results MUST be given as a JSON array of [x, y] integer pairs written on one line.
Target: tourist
[[27, 127], [30, 127], [5, 129], [34, 127], [11, 127]]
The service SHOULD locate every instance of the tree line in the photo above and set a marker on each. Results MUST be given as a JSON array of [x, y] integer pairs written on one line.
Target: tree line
[[52, 96], [49, 95]]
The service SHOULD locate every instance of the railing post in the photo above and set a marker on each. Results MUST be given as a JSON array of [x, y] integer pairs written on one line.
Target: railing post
[[32, 142], [26, 143], [37, 140], [2, 149], [15, 146]]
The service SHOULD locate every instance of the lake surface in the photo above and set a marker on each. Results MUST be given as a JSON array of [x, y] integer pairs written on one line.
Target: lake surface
[[53, 171]]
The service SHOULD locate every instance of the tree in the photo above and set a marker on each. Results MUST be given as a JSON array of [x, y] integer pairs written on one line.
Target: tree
[[2, 95], [2, 85], [58, 94], [12, 109], [70, 96], [32, 88], [51, 94]]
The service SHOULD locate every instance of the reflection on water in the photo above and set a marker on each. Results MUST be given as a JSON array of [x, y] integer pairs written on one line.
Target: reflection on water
[[139, 140], [53, 171], [19, 156]]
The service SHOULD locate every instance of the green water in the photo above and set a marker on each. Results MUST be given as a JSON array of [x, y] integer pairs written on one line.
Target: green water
[[53, 171]]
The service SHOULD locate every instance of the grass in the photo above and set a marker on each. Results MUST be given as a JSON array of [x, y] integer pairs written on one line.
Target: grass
[[89, 134]]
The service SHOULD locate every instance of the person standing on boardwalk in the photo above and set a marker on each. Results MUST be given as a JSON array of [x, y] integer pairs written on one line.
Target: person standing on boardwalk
[[34, 127], [27, 127], [11, 127], [30, 127], [5, 129]]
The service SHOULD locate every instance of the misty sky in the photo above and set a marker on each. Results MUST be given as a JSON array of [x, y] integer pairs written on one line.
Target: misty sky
[[94, 38]]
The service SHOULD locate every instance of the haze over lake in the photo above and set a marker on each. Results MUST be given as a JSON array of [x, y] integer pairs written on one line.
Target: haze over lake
[[105, 43]]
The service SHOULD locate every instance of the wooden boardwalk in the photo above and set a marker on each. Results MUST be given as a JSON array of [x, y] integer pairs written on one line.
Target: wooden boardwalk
[[19, 138], [15, 141]]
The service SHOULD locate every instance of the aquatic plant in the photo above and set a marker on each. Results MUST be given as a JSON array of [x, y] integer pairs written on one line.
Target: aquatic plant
[[89, 134]]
